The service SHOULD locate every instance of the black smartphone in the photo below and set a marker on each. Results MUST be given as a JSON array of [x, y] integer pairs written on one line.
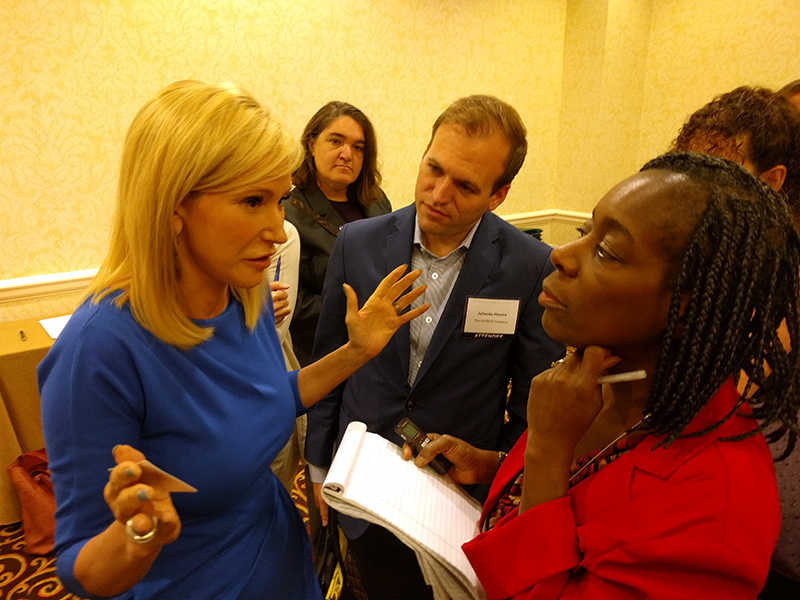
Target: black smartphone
[[418, 439]]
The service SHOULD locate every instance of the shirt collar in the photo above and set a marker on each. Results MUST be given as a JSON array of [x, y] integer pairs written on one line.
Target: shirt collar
[[465, 243]]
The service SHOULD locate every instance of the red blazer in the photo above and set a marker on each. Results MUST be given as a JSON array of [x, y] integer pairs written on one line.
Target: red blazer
[[698, 519]]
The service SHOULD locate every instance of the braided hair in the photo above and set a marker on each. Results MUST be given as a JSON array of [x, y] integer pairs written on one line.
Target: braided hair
[[739, 272]]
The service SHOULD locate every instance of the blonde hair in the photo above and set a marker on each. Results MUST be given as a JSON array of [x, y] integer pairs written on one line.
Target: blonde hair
[[192, 138]]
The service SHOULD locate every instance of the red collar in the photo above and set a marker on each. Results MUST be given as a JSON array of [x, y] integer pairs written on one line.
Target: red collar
[[664, 461], [661, 462]]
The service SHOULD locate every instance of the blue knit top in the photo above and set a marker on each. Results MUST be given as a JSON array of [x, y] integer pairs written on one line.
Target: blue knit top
[[215, 416]]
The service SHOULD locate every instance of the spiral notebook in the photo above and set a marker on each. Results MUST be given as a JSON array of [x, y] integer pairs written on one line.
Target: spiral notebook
[[369, 479]]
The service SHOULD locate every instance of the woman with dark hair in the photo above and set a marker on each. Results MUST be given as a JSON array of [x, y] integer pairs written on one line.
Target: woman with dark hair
[[661, 487], [755, 128], [760, 130], [791, 91], [337, 182]]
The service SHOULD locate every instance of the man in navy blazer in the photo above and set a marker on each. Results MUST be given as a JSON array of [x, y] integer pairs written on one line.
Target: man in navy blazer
[[450, 369]]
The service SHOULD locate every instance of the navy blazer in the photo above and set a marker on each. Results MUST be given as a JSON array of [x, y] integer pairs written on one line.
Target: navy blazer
[[316, 245], [462, 384]]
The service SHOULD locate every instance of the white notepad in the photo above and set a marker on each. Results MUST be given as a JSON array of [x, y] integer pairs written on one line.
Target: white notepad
[[432, 515]]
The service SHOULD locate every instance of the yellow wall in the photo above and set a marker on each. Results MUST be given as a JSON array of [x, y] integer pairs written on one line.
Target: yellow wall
[[701, 48], [75, 72], [603, 85], [604, 54], [634, 70]]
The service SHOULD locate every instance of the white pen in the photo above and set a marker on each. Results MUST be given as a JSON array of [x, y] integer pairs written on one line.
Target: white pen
[[626, 376]]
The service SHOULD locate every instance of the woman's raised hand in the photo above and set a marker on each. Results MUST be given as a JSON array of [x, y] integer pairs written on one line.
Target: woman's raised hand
[[470, 464], [371, 327], [148, 508]]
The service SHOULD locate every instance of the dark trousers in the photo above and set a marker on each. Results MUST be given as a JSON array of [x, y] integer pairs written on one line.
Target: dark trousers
[[388, 568], [314, 519], [779, 587]]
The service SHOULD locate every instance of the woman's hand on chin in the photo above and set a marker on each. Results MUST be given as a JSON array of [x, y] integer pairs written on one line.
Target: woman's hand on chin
[[565, 400]]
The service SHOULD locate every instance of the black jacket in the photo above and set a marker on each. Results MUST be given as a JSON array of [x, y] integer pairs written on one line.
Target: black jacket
[[318, 224]]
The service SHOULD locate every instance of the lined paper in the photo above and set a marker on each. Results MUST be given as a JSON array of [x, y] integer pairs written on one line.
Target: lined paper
[[427, 511]]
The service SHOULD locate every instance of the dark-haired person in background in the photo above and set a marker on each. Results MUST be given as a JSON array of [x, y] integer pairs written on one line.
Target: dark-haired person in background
[[784, 578], [755, 128], [791, 91], [664, 487], [761, 131], [337, 182]]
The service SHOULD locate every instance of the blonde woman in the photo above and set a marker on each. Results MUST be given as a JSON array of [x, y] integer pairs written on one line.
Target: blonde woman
[[174, 357]]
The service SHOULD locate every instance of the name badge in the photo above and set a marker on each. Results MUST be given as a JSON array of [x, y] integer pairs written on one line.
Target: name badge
[[491, 317]]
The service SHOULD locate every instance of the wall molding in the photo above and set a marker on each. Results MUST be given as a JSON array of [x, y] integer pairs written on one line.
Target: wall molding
[[538, 218], [36, 287]]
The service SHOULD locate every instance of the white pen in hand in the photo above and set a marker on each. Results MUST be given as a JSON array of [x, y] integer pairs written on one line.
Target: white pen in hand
[[620, 377]]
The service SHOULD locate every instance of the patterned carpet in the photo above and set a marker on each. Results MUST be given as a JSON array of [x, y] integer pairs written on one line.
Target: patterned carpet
[[27, 577]]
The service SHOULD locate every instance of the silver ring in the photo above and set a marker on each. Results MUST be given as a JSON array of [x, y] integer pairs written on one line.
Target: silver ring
[[144, 538], [558, 362]]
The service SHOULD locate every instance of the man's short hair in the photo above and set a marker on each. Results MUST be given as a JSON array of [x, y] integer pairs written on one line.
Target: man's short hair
[[749, 123], [481, 115]]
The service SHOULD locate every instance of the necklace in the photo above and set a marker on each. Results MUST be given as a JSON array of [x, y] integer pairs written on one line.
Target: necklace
[[639, 425]]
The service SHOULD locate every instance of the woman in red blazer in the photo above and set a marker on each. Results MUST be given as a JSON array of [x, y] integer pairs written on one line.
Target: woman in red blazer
[[661, 487]]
